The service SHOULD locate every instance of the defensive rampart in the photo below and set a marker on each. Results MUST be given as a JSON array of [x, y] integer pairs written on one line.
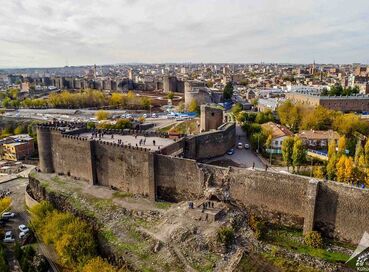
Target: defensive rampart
[[211, 144], [336, 209]]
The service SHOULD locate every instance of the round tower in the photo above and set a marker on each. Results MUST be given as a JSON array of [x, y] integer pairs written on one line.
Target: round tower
[[44, 149]]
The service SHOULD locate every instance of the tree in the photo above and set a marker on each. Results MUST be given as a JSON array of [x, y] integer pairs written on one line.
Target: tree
[[331, 167], [359, 155], [97, 264], [264, 117], [193, 106], [298, 153], [257, 140], [19, 130], [289, 115], [116, 99], [347, 124], [318, 172], [145, 102], [236, 109], [181, 107], [102, 115], [6, 102], [131, 96], [39, 212], [268, 142], [341, 146], [318, 119], [287, 151], [77, 244], [366, 153], [228, 91], [170, 95], [345, 169], [5, 203], [254, 102]]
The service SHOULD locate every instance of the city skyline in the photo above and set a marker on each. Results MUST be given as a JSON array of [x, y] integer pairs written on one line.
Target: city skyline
[[55, 34]]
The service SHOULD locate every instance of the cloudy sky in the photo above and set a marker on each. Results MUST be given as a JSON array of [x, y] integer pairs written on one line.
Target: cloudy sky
[[54, 33]]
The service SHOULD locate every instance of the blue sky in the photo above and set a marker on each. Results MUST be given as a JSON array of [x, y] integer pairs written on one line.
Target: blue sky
[[53, 33]]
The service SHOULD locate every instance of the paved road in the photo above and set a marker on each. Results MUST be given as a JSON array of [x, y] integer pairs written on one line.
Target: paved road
[[243, 157]]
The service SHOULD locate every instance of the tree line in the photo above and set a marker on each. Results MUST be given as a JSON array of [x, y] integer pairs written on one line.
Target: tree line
[[80, 99], [72, 238]]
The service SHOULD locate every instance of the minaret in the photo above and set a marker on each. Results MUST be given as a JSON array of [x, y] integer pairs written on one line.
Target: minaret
[[94, 71]]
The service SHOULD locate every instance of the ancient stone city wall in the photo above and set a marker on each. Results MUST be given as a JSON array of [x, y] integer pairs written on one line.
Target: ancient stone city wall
[[211, 144], [336, 209]]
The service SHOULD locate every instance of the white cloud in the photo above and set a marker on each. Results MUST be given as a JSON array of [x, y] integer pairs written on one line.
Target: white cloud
[[49, 32]]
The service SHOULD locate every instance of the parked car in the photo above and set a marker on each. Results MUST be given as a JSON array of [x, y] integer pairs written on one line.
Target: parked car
[[145, 115], [8, 237], [8, 215], [230, 152], [154, 115], [247, 146], [240, 145], [22, 234], [23, 228]]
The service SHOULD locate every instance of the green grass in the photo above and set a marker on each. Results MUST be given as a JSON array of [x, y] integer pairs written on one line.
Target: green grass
[[270, 262], [118, 194], [166, 129], [208, 262], [163, 205], [292, 239], [287, 265]]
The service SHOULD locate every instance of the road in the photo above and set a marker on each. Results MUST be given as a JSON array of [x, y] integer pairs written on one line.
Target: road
[[17, 187], [243, 157]]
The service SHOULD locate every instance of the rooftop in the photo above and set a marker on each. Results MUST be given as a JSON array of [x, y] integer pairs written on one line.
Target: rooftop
[[277, 130], [319, 134], [141, 141]]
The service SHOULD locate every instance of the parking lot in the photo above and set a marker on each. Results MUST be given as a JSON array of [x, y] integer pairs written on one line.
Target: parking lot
[[17, 187]]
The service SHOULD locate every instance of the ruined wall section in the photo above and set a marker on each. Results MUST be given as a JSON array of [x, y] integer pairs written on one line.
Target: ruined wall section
[[342, 211], [178, 179], [276, 197]]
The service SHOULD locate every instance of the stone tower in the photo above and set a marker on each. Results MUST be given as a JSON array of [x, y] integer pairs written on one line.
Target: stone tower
[[211, 118], [44, 148]]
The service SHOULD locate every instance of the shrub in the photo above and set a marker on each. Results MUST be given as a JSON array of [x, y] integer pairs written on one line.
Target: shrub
[[260, 230], [5, 203], [225, 235], [72, 237], [97, 264], [3, 263], [313, 239], [258, 226]]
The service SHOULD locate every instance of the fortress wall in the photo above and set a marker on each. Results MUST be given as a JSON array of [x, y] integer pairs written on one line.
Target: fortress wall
[[336, 209], [173, 148], [211, 144], [342, 211], [125, 168], [271, 194], [178, 179], [71, 155]]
